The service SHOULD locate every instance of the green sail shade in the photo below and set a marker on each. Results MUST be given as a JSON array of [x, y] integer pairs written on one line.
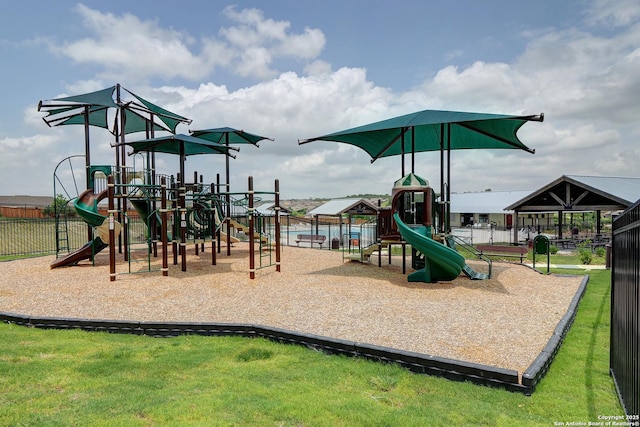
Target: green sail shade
[[228, 135], [433, 130]]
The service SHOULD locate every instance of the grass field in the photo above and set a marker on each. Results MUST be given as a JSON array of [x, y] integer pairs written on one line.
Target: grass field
[[54, 377]]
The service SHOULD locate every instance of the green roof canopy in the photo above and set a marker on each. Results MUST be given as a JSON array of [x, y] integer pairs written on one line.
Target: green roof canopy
[[411, 181], [170, 119], [103, 98], [226, 135], [181, 144], [140, 115], [432, 130], [130, 115], [70, 110]]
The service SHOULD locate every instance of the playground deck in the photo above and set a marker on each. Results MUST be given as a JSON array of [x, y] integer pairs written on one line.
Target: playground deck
[[502, 322]]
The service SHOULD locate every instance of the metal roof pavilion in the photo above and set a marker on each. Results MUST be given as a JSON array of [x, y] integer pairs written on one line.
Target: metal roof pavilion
[[341, 206], [578, 193], [582, 193]]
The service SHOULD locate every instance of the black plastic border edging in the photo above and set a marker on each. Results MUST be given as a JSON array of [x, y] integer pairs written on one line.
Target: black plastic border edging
[[451, 369], [415, 362], [539, 367]]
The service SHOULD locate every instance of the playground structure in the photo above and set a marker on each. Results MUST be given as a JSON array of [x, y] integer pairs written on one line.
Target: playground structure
[[199, 214], [412, 220], [172, 210], [174, 215], [439, 131]]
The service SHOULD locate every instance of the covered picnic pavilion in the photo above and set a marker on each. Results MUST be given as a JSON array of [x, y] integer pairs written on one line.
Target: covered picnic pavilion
[[579, 193], [334, 210]]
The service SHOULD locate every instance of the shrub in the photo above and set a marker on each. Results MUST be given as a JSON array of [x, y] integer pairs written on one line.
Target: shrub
[[601, 252], [553, 249], [60, 205], [584, 252], [586, 256]]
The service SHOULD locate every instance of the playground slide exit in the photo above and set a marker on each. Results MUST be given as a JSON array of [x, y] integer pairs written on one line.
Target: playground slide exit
[[441, 262], [87, 207]]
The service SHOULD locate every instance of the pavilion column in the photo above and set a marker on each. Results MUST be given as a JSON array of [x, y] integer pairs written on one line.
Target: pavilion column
[[560, 223]]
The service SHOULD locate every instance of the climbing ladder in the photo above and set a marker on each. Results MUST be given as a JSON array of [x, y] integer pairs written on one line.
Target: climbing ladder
[[265, 246], [62, 229]]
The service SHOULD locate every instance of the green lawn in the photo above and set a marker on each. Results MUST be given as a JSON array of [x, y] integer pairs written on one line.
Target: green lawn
[[52, 377]]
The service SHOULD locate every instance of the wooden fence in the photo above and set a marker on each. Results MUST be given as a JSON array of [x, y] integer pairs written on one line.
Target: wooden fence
[[21, 212]]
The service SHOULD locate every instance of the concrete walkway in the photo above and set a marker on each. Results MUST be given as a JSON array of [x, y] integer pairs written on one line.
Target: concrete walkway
[[540, 265]]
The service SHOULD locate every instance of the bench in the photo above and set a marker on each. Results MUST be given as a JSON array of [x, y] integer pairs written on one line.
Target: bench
[[311, 238], [503, 251]]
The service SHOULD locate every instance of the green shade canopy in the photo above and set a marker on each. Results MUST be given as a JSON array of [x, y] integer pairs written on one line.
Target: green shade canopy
[[182, 145], [101, 98], [171, 120], [140, 115], [433, 130], [226, 135], [70, 110]]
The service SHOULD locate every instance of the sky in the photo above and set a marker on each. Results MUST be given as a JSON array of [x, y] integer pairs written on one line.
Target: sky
[[291, 70]]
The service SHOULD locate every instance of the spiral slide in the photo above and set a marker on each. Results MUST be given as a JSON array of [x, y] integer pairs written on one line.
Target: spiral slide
[[441, 262], [87, 207]]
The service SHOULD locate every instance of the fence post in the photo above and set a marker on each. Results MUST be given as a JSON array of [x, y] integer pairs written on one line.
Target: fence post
[[277, 221], [183, 224], [112, 228], [163, 219], [252, 261]]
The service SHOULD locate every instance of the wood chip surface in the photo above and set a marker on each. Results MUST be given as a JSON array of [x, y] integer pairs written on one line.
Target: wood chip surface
[[502, 322]]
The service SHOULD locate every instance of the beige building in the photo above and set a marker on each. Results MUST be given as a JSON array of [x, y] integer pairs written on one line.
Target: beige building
[[485, 208]]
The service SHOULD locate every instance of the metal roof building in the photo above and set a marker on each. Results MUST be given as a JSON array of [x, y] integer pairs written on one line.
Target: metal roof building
[[338, 207], [578, 193], [483, 208], [485, 201], [581, 193]]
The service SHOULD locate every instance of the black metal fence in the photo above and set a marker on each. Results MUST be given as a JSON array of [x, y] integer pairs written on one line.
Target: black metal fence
[[625, 309], [27, 236], [32, 236], [354, 235]]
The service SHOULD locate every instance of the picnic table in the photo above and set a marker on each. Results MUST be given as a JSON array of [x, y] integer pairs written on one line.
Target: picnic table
[[503, 251], [311, 239]]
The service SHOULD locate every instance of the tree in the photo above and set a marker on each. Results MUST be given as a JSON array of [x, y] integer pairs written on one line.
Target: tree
[[59, 205]]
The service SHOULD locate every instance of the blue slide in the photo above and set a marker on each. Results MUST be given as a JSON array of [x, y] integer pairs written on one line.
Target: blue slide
[[441, 263]]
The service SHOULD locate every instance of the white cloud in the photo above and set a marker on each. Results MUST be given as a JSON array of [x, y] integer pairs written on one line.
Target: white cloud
[[126, 46], [585, 82], [10, 147], [318, 68], [258, 41], [578, 74], [490, 87], [613, 12]]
